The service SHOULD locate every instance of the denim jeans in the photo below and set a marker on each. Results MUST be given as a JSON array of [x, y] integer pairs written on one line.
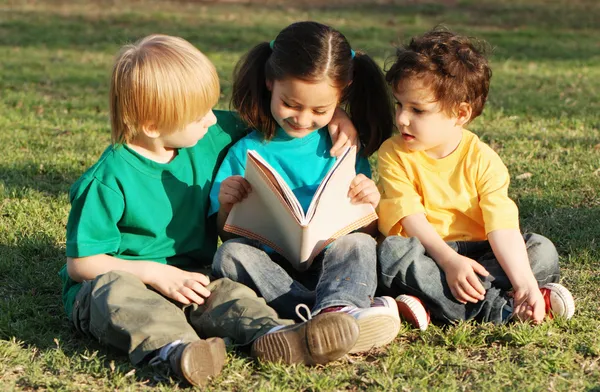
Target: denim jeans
[[406, 268], [343, 274], [119, 310]]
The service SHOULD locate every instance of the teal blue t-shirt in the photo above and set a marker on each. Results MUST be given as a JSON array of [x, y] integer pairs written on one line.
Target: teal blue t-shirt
[[133, 208], [302, 162]]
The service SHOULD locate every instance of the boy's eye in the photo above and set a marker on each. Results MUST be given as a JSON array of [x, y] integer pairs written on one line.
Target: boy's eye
[[418, 111], [319, 113]]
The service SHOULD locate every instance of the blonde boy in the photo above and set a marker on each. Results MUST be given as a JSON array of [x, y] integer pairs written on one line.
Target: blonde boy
[[138, 231], [453, 238]]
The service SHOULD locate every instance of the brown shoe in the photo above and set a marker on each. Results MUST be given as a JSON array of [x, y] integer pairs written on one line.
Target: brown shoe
[[322, 339], [197, 361]]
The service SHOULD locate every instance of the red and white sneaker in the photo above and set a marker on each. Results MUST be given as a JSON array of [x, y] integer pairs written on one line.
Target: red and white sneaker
[[412, 310], [559, 301]]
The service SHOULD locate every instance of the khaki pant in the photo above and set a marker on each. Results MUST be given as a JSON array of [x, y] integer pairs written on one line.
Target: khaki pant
[[120, 311]]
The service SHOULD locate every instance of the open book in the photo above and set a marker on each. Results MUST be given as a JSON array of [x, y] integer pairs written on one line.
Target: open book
[[272, 215]]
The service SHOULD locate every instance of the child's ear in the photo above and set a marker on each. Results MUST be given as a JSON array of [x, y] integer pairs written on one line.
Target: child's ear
[[464, 113], [269, 84], [150, 131]]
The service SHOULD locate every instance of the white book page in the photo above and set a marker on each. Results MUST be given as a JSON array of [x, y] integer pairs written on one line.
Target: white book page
[[286, 192], [315, 200]]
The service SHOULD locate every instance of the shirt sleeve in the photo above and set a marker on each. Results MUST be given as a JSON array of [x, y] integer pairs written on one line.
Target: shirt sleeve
[[92, 227], [498, 210], [233, 165], [399, 198], [231, 123]]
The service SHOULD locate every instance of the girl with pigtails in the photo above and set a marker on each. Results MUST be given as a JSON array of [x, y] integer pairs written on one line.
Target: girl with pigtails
[[288, 90]]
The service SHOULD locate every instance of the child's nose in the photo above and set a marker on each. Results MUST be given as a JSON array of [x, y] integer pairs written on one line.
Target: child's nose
[[402, 117], [303, 119]]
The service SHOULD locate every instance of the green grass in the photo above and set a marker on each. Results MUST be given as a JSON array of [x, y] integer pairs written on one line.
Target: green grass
[[543, 118]]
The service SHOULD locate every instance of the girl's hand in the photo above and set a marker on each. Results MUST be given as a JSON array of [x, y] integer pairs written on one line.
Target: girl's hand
[[233, 190], [182, 286], [461, 276], [342, 132], [364, 190]]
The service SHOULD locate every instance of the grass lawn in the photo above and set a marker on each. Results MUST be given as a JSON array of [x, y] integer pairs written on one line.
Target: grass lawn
[[543, 118]]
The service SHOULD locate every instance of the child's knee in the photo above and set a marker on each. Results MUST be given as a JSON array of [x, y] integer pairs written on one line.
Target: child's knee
[[543, 256], [390, 252], [225, 263]]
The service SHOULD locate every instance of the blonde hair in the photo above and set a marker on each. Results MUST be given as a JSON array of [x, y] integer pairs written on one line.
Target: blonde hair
[[161, 82]]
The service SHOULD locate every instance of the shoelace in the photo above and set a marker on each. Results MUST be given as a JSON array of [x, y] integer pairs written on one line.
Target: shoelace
[[163, 355], [306, 309]]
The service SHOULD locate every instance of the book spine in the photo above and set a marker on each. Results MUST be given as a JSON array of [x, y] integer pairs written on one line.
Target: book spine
[[249, 234]]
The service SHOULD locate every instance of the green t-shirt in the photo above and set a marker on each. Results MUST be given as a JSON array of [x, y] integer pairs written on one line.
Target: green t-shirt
[[133, 208]]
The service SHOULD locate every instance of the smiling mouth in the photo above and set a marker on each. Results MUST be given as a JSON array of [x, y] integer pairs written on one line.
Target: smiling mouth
[[407, 136], [297, 128]]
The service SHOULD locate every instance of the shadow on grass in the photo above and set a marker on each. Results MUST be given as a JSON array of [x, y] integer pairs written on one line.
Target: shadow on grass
[[574, 230], [31, 310], [49, 179]]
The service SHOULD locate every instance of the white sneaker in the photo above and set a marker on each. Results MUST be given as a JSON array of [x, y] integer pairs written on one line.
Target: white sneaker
[[559, 301], [379, 324]]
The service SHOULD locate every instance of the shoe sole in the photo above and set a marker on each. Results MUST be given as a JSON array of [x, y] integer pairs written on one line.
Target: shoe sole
[[378, 329], [323, 339], [561, 299], [412, 310], [203, 359]]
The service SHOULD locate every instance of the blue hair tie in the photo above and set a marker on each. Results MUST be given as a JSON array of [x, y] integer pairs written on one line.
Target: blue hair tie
[[271, 44], [352, 53]]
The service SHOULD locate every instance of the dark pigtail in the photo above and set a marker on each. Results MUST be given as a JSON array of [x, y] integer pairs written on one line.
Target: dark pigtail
[[250, 96], [369, 104]]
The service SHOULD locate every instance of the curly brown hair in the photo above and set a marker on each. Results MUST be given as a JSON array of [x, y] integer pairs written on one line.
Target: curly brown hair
[[455, 67]]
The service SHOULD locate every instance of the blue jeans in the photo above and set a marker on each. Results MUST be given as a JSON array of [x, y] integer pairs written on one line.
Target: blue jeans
[[343, 274], [406, 268]]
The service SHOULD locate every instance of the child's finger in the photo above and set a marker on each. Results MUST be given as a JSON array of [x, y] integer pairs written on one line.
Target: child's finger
[[357, 180], [476, 284], [459, 294], [198, 288], [200, 278], [478, 268], [238, 182], [469, 293], [368, 195], [177, 296], [339, 140], [191, 295]]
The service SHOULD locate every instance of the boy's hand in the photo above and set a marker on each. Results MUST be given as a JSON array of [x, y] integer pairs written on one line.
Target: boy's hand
[[182, 286], [461, 275], [233, 190], [529, 304], [364, 190], [342, 132]]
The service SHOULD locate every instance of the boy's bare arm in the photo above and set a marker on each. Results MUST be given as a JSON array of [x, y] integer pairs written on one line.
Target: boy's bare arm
[[460, 270], [183, 286], [510, 251]]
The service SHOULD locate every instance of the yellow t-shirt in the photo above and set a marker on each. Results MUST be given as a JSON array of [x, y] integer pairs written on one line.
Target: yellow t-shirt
[[464, 195]]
